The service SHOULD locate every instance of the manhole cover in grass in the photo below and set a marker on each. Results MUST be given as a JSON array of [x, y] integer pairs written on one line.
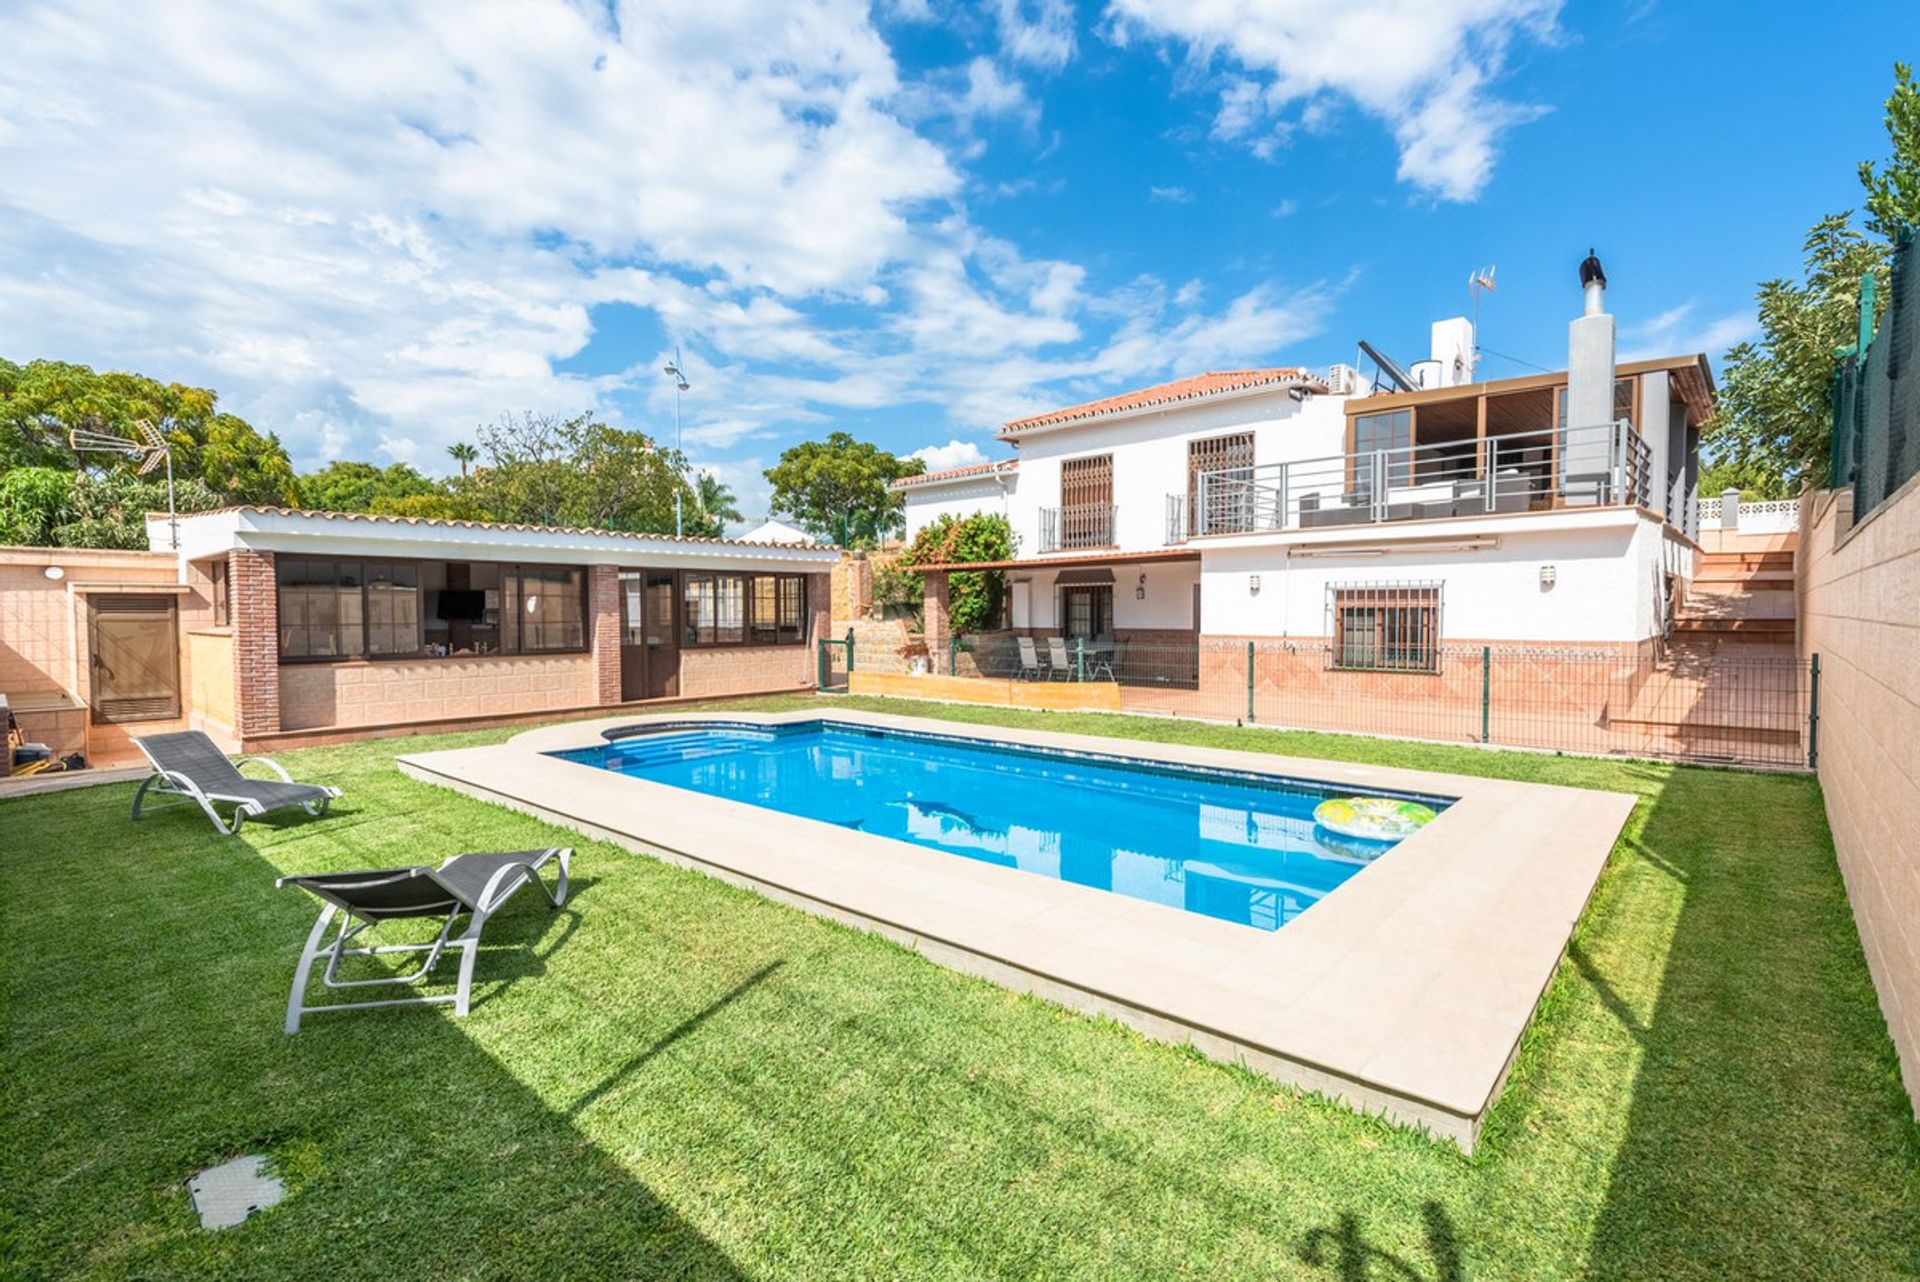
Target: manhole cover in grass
[[227, 1194]]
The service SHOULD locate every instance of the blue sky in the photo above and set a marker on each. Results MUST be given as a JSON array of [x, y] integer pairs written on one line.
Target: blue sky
[[372, 231]]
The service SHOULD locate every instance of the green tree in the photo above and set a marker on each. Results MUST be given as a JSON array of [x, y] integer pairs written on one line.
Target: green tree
[[714, 505], [463, 453], [544, 470], [105, 511], [42, 401], [973, 596], [356, 487], [451, 507], [1775, 414], [34, 501], [1775, 418], [1893, 193], [837, 488]]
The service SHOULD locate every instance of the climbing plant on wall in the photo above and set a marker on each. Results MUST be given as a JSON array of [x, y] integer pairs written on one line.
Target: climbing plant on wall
[[973, 596]]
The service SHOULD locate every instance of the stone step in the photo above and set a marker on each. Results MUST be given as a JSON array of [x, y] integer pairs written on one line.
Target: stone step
[[1747, 561], [1771, 580]]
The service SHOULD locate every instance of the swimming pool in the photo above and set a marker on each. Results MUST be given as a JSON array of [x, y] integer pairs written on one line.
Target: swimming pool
[[1232, 845]]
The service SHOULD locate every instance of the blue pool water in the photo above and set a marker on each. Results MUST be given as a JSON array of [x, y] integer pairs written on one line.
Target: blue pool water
[[1240, 847]]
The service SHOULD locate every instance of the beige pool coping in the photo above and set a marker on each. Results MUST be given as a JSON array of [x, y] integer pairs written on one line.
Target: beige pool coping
[[1404, 992]]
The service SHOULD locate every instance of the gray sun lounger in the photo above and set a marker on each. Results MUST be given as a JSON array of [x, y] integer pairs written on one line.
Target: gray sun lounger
[[473, 884], [189, 765]]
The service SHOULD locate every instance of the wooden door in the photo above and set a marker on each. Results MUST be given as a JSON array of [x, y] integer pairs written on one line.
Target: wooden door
[[633, 646], [660, 634]]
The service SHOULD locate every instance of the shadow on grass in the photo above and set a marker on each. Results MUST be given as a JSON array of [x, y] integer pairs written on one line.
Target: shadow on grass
[[1758, 1106], [1345, 1250], [400, 1136], [680, 1030]]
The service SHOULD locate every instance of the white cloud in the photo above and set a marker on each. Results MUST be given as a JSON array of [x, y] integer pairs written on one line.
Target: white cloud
[[374, 232], [955, 453], [1039, 32], [1679, 331], [1424, 67], [1172, 195]]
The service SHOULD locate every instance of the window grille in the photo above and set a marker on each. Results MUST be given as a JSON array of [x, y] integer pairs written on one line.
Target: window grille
[[1384, 627]]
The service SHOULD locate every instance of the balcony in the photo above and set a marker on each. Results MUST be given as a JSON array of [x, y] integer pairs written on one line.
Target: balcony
[[1597, 466], [1082, 525]]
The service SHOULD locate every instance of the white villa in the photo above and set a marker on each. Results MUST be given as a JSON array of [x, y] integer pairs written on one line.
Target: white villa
[[1557, 509]]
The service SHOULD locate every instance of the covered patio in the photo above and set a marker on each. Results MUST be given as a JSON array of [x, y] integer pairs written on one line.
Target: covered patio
[[1131, 617]]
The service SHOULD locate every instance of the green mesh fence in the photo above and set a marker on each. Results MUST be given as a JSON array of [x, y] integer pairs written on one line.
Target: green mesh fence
[[1876, 398]]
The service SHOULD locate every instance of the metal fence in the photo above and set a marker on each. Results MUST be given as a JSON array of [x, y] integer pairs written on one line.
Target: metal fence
[[1604, 463], [1876, 396], [1648, 702], [834, 662]]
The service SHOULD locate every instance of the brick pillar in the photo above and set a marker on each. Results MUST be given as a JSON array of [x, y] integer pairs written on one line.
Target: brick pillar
[[934, 620], [603, 597], [819, 624], [255, 617]]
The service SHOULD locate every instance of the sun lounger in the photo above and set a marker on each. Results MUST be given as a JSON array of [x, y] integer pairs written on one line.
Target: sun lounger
[[188, 764], [477, 885]]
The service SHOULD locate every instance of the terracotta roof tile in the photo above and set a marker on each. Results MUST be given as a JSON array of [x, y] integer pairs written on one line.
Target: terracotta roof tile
[[954, 473], [1181, 389]]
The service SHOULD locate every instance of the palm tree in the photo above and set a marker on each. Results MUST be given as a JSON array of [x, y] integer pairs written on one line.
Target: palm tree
[[463, 453], [716, 502]]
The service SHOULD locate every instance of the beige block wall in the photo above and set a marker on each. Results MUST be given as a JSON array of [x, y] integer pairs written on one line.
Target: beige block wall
[[210, 702], [1860, 612], [44, 644], [745, 669], [349, 694]]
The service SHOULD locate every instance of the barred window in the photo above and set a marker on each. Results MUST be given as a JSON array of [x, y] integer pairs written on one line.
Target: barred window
[[1386, 627]]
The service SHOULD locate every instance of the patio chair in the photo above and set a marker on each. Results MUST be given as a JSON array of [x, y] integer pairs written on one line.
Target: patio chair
[[190, 765], [477, 885], [1031, 669], [1058, 658]]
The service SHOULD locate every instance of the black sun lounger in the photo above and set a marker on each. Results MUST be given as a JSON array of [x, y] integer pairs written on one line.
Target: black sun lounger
[[188, 764], [474, 884]]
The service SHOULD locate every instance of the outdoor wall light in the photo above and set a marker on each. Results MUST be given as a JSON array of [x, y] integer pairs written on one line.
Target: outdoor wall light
[[1548, 576], [55, 573], [1253, 585]]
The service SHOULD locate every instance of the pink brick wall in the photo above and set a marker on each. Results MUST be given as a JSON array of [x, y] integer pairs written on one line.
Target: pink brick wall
[[256, 641], [603, 605], [1859, 611]]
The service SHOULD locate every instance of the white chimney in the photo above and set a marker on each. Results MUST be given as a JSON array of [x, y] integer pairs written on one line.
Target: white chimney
[[1590, 374], [1452, 347]]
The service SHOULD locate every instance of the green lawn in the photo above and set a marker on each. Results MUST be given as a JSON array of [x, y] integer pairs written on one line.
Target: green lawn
[[678, 1078]]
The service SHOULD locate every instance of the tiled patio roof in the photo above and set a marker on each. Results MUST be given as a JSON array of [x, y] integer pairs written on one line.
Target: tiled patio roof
[[1066, 560], [381, 518]]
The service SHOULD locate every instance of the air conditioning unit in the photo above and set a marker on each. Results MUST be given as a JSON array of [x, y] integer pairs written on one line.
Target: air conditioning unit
[[1342, 379]]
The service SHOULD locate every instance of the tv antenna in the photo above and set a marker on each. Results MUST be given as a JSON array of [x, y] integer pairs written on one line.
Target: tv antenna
[[151, 452], [1478, 283]]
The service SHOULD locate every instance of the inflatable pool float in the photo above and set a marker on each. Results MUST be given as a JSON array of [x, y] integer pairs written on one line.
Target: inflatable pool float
[[1372, 818]]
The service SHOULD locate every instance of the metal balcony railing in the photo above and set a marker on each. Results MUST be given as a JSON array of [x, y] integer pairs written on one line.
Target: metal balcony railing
[[1082, 525], [1594, 466]]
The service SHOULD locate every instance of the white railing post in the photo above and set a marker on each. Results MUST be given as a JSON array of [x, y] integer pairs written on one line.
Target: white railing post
[[1280, 515], [1730, 509], [1377, 492], [1618, 454]]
